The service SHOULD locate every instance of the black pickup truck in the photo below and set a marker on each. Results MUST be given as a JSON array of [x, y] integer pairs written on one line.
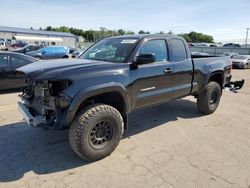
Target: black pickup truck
[[93, 95]]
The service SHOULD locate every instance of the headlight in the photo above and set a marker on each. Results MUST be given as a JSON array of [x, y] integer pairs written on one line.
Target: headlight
[[56, 87], [64, 100]]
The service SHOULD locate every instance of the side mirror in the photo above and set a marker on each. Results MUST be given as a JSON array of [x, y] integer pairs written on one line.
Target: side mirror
[[145, 59]]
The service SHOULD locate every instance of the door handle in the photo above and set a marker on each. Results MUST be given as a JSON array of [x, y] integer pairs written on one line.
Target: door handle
[[167, 71]]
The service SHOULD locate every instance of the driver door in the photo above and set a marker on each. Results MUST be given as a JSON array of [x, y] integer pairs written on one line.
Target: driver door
[[152, 83]]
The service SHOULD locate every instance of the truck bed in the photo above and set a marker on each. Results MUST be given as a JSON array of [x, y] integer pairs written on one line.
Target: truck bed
[[203, 65]]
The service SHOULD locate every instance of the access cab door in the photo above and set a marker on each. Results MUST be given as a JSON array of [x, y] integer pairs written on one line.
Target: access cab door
[[182, 74], [152, 83]]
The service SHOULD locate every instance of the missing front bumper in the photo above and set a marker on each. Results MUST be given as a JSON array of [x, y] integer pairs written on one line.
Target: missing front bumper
[[35, 121]]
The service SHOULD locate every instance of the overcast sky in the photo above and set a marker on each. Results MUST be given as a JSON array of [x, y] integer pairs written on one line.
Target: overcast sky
[[225, 20]]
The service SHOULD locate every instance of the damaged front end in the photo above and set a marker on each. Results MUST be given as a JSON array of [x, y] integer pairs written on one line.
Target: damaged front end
[[44, 101]]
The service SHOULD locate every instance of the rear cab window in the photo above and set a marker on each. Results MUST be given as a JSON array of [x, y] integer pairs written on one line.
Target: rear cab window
[[178, 48]]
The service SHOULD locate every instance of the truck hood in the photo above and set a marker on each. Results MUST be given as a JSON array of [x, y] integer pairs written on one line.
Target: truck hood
[[62, 68]]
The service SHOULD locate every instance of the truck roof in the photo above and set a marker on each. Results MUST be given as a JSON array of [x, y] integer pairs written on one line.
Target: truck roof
[[140, 36]]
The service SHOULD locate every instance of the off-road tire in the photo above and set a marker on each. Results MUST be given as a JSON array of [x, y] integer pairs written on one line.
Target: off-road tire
[[212, 92], [83, 125]]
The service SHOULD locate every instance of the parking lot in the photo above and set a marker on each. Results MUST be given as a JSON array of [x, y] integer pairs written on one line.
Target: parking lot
[[171, 145]]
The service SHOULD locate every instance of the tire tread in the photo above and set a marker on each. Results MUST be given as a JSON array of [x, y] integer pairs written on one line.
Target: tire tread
[[82, 120], [203, 97]]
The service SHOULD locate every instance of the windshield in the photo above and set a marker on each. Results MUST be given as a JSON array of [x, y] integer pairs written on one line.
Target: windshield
[[113, 49], [240, 57]]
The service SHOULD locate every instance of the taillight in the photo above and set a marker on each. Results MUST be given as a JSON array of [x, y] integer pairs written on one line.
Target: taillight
[[229, 67]]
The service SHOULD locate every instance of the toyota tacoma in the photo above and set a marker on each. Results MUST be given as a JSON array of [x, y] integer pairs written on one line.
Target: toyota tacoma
[[93, 95]]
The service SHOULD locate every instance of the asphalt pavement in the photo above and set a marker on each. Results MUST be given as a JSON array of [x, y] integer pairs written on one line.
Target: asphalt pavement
[[171, 145]]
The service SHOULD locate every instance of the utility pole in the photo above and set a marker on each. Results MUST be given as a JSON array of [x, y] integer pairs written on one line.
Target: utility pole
[[246, 37]]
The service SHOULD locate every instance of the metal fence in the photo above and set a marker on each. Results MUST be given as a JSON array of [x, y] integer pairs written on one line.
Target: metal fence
[[216, 51]]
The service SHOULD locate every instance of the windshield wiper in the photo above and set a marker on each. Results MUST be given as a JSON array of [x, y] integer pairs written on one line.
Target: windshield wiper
[[97, 59]]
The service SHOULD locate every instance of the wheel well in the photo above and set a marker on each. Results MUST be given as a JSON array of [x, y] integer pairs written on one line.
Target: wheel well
[[113, 99], [38, 57], [66, 56], [217, 77]]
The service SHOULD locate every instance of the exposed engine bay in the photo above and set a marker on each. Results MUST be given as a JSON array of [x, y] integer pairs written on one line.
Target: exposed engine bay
[[45, 100]]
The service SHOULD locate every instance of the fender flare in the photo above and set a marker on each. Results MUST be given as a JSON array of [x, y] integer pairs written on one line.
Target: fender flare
[[220, 72], [86, 93], [209, 76]]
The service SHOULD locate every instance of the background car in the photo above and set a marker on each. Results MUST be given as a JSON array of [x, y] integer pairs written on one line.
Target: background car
[[241, 61], [231, 45], [231, 54], [27, 48], [199, 54], [202, 45], [51, 52], [9, 62], [213, 45], [19, 44], [77, 53], [190, 45], [73, 49]]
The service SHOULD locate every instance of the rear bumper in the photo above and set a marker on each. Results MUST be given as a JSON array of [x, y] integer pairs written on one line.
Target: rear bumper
[[31, 120], [234, 86]]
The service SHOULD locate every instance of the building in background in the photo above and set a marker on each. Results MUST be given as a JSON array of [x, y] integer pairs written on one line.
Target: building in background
[[12, 35]]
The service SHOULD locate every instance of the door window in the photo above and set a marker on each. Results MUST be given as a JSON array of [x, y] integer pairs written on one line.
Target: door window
[[3, 60], [156, 47], [18, 61]]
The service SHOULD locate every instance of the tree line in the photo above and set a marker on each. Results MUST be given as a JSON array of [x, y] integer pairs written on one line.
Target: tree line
[[94, 35], [195, 37]]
